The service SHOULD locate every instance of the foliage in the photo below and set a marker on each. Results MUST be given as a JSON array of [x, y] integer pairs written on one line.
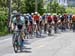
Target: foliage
[[54, 7], [23, 7], [3, 21], [3, 24], [3, 3], [16, 4], [30, 6], [70, 10]]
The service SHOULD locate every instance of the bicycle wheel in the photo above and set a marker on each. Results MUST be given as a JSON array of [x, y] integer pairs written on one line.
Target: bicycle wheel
[[19, 42], [49, 31], [15, 42], [55, 29], [13, 39], [15, 47]]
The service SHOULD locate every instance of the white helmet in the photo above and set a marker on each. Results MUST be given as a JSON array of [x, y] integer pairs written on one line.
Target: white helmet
[[49, 14], [36, 12], [32, 13], [28, 14], [24, 14]]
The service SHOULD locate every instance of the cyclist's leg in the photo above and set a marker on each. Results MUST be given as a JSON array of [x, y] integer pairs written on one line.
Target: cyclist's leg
[[49, 27], [37, 29], [31, 31], [40, 27], [55, 27], [73, 26], [62, 24]]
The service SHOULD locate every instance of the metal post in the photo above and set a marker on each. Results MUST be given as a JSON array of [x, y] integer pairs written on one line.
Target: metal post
[[36, 5]]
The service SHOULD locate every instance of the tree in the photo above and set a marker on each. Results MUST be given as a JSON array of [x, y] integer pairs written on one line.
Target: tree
[[41, 10], [30, 6], [61, 10], [23, 7], [16, 4], [3, 3], [19, 5], [55, 8]]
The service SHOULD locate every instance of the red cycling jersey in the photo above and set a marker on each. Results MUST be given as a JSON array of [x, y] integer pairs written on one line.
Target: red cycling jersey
[[36, 18]]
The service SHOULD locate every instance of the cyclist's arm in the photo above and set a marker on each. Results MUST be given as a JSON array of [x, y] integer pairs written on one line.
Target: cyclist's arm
[[13, 25], [23, 22]]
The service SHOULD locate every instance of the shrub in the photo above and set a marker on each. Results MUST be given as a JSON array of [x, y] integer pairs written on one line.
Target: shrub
[[3, 25]]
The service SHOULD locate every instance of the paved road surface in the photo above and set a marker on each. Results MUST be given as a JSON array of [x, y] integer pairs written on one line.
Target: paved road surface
[[62, 44]]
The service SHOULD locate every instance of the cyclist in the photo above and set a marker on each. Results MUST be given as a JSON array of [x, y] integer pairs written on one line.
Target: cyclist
[[62, 23], [18, 23], [36, 20], [55, 19], [30, 19], [70, 22], [59, 21], [73, 22], [43, 18], [66, 21], [26, 17], [30, 25], [26, 20], [40, 24], [45, 23], [49, 21]]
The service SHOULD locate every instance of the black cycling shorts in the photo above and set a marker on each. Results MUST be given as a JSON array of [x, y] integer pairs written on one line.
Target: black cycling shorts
[[49, 22], [37, 22], [19, 26], [26, 22], [31, 22]]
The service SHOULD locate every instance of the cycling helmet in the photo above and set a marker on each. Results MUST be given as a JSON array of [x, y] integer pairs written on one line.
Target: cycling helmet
[[32, 13], [17, 14], [36, 12]]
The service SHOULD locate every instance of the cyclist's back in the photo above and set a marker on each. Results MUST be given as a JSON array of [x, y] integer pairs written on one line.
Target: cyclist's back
[[73, 18], [55, 19], [49, 19], [43, 17], [62, 18], [21, 21], [36, 19]]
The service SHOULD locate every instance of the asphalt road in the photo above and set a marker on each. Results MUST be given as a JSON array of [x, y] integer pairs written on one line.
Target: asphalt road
[[61, 44]]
